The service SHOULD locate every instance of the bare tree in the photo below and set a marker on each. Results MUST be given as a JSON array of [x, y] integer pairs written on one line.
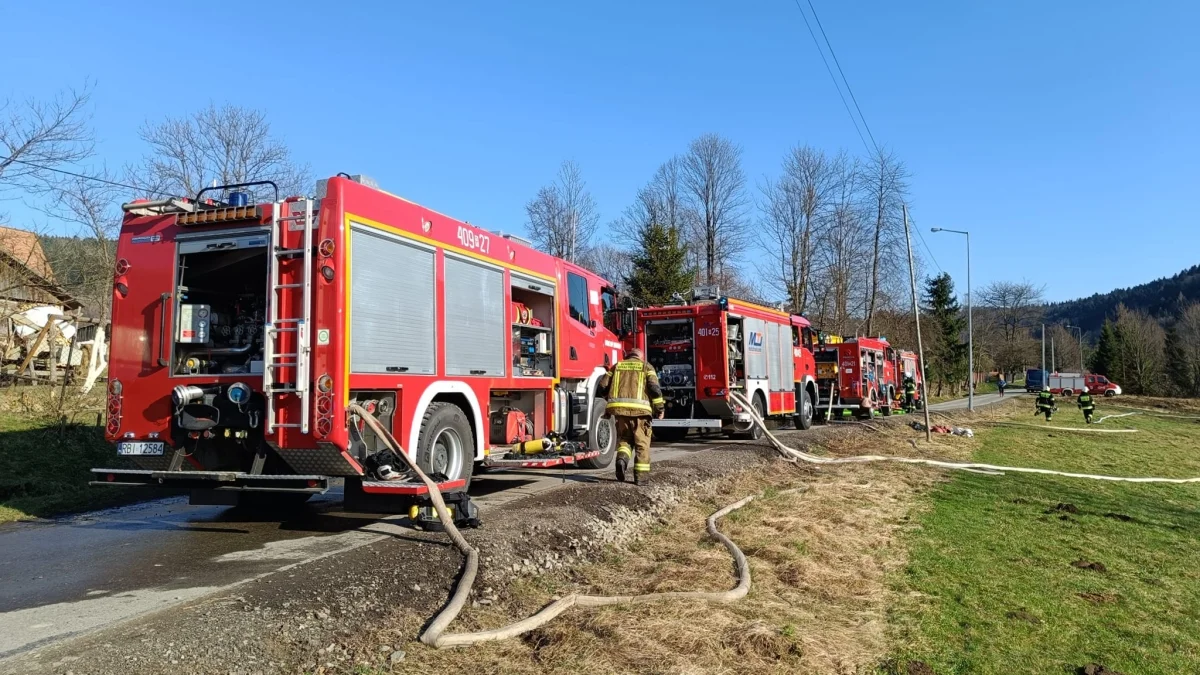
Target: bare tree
[[715, 186], [1142, 342], [885, 179], [660, 201], [612, 263], [792, 209], [840, 251], [37, 137], [562, 217], [1014, 306], [223, 146]]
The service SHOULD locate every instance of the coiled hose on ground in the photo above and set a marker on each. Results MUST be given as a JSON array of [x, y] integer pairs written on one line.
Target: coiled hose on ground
[[435, 634]]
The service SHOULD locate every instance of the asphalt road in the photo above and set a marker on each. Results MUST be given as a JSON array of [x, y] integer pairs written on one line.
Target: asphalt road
[[67, 576], [980, 400]]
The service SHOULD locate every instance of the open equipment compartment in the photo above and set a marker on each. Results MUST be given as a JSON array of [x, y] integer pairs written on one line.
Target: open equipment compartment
[[221, 298], [532, 319], [671, 350]]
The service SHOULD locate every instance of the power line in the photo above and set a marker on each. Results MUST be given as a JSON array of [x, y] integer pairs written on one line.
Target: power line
[[81, 175], [843, 74], [833, 77], [920, 236]]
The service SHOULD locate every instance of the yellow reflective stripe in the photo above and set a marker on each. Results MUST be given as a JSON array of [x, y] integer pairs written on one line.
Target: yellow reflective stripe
[[641, 390], [623, 449], [641, 467], [628, 404], [657, 401], [614, 385], [629, 365]]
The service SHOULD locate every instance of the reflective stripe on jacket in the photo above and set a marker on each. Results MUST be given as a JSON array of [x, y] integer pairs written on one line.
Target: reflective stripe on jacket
[[631, 388]]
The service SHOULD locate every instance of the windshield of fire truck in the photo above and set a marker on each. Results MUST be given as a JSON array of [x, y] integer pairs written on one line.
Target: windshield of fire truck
[[826, 355]]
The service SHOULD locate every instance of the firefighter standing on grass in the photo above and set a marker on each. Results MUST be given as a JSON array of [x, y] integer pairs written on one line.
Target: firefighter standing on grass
[[1044, 404], [1087, 405], [634, 396]]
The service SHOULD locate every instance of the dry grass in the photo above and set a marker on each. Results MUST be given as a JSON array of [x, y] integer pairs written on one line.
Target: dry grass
[[818, 603]]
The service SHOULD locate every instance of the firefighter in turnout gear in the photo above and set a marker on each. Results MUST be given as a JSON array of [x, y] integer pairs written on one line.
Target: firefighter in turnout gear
[[1087, 405], [910, 393], [1045, 404], [634, 396]]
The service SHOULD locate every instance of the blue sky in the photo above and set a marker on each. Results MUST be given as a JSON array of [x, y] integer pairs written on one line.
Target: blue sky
[[1063, 135]]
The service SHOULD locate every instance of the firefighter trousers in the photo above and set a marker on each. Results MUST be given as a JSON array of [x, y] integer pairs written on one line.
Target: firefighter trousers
[[633, 435]]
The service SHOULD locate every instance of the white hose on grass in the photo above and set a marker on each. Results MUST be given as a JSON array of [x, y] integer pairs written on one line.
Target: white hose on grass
[[435, 634], [1109, 417], [797, 456]]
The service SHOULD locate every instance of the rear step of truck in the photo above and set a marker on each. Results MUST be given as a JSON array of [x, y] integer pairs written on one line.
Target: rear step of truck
[[232, 481], [515, 460], [411, 487]]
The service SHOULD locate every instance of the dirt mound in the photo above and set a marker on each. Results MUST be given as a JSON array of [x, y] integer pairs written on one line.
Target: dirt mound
[[1087, 565], [1096, 669], [1023, 615]]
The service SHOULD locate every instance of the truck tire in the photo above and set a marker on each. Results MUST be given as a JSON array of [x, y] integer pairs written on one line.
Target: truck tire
[[756, 431], [886, 408], [602, 436], [804, 417], [446, 444]]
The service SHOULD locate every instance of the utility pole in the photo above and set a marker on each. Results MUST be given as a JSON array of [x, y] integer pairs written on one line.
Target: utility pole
[[1053, 363], [912, 277], [970, 324]]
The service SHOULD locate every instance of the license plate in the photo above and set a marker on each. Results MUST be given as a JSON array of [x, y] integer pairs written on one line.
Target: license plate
[[140, 448]]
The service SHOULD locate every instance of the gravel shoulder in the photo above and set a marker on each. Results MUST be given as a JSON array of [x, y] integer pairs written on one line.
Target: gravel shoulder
[[329, 614]]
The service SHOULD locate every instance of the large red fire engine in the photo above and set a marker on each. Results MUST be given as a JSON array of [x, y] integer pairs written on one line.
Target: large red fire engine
[[862, 374], [705, 349], [242, 332]]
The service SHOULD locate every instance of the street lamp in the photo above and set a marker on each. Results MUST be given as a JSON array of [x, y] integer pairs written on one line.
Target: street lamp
[[970, 325], [1077, 328]]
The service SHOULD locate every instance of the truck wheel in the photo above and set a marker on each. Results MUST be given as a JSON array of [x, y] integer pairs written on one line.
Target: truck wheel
[[1109, 393], [1066, 393], [446, 444], [602, 436], [804, 419], [756, 430]]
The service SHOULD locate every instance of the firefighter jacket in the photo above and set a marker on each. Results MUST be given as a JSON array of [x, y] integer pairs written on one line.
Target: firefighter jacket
[[910, 387], [632, 389], [1045, 400], [1085, 401]]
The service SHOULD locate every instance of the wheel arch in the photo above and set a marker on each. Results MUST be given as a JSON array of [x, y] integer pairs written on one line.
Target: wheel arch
[[458, 393]]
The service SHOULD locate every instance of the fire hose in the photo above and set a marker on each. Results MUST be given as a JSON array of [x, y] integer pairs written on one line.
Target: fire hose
[[435, 634], [798, 456]]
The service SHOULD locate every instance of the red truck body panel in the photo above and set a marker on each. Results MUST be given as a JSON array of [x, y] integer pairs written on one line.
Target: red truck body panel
[[144, 318]]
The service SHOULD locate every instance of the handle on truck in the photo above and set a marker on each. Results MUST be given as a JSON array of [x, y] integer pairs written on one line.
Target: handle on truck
[[162, 328], [239, 185]]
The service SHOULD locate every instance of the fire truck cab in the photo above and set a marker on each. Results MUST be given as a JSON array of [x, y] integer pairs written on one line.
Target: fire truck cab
[[708, 347], [858, 374], [242, 332]]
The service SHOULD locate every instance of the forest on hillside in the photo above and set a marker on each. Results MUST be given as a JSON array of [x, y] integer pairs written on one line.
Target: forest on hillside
[[1161, 299]]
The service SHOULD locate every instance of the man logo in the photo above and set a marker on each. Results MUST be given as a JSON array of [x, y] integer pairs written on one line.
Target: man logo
[[756, 341]]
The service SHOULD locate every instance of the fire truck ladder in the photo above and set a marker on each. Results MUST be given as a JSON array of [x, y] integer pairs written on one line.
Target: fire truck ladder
[[278, 364]]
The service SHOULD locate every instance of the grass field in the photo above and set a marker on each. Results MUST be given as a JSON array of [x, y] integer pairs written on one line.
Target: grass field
[[44, 466], [1031, 574]]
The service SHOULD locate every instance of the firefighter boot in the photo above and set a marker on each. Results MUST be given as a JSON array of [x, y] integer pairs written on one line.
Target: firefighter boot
[[641, 478], [623, 455]]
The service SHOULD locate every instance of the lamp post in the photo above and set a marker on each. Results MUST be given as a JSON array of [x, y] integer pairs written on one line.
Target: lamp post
[[970, 324], [1077, 328]]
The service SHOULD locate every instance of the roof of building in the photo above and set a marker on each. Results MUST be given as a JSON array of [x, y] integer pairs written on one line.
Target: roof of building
[[23, 249]]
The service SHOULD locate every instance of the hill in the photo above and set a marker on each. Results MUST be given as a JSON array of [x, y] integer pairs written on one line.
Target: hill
[[1160, 298]]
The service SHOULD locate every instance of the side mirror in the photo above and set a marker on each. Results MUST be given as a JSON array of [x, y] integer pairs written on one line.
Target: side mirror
[[592, 323]]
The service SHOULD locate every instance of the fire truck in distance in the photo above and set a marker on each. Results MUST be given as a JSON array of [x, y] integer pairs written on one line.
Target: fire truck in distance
[[242, 332], [713, 345], [862, 374]]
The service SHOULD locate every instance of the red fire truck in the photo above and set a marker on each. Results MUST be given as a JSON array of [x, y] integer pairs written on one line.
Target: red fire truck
[[860, 374], [706, 348], [242, 332]]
